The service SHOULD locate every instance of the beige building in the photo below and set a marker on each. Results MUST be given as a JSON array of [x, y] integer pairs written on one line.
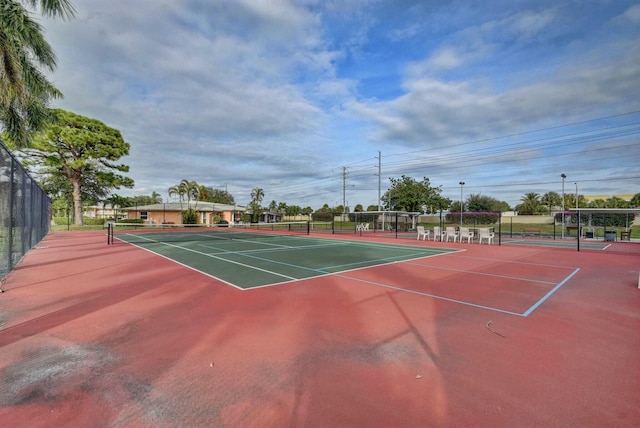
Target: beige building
[[97, 211], [171, 212], [626, 197]]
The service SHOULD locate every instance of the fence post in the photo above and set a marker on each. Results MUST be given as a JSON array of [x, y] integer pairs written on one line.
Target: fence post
[[12, 192]]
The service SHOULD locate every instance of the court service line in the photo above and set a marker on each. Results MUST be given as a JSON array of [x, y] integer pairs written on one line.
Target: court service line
[[269, 250], [214, 257], [376, 262], [243, 240], [519, 262], [342, 273], [471, 272], [434, 296], [412, 256]]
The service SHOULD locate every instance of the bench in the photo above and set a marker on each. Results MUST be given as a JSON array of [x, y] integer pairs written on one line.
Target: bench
[[531, 230]]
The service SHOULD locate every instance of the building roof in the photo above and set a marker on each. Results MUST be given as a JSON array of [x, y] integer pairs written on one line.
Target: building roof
[[196, 205]]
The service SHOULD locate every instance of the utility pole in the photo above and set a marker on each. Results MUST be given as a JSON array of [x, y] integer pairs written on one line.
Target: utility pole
[[344, 190], [461, 204], [563, 176], [379, 179]]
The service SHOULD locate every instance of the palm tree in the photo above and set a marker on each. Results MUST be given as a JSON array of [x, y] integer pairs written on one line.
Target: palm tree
[[156, 198], [206, 193], [530, 203], [117, 202], [551, 199], [176, 191], [191, 190], [26, 93], [257, 194]]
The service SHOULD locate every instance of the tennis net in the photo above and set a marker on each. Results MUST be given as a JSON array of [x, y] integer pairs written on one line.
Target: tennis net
[[137, 232]]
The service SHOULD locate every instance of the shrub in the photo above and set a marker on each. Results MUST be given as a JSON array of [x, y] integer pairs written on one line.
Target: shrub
[[131, 220], [322, 216], [189, 216], [473, 218], [93, 221], [61, 221]]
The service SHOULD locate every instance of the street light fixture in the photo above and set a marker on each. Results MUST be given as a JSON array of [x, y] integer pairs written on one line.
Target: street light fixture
[[461, 206], [563, 177]]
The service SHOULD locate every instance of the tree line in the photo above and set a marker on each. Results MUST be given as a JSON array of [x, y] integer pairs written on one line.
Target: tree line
[[533, 203]]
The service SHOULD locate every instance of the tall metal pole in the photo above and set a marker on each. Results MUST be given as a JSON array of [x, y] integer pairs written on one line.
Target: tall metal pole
[[576, 195], [563, 177], [344, 191], [461, 206], [379, 179]]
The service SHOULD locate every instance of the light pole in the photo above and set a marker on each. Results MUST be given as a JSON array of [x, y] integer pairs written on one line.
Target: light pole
[[461, 206], [576, 195], [563, 177]]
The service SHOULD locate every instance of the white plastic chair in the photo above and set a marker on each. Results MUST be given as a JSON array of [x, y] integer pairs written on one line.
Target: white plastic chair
[[485, 233], [422, 233], [438, 233], [451, 233], [466, 233]]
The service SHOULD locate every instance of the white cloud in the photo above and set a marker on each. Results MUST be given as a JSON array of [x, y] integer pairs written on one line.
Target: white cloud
[[272, 93], [528, 25], [633, 14]]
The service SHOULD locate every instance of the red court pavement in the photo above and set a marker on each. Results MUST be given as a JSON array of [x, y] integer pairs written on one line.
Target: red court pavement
[[92, 335]]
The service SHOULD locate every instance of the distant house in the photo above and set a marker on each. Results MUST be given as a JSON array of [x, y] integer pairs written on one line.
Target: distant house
[[171, 212], [97, 211]]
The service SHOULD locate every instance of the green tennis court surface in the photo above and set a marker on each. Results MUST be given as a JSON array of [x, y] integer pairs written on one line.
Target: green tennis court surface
[[248, 260]]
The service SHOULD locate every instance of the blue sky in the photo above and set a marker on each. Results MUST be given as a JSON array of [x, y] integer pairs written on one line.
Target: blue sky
[[289, 95]]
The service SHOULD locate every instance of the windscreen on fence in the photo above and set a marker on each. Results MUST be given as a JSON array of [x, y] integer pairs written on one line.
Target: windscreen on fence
[[24, 211]]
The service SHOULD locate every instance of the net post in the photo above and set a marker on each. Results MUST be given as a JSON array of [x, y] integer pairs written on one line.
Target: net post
[[308, 228], [109, 233]]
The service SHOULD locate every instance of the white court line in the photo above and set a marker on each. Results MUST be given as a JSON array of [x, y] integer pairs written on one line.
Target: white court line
[[546, 296], [471, 272], [519, 262], [324, 270], [214, 257], [270, 250], [391, 260], [342, 275], [433, 296], [463, 302]]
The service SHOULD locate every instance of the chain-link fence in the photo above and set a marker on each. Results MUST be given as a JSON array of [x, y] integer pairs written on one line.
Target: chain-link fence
[[24, 211]]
